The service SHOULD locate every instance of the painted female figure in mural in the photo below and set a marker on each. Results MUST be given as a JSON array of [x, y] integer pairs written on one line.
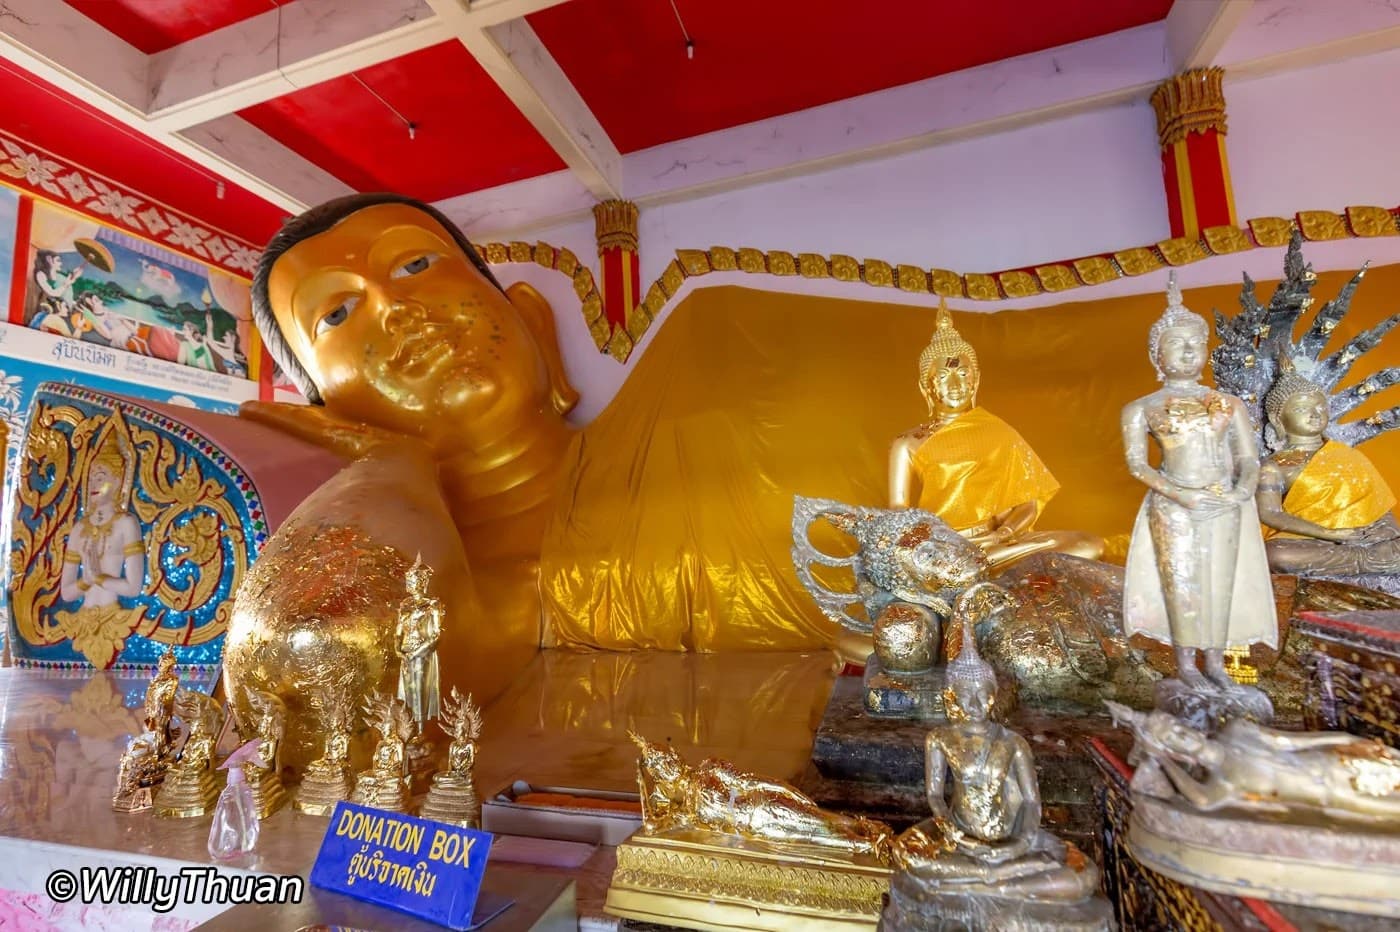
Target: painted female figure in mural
[[106, 557], [55, 293]]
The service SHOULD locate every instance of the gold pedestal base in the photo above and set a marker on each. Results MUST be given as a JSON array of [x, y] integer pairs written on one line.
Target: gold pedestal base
[[188, 798], [391, 795], [703, 882], [1320, 866], [453, 801], [269, 795], [139, 800], [319, 792]]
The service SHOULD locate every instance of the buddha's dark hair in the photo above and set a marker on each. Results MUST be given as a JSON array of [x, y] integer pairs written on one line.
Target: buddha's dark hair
[[304, 226]]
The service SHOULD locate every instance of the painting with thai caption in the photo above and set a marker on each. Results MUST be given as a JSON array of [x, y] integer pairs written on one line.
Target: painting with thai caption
[[130, 534], [91, 282]]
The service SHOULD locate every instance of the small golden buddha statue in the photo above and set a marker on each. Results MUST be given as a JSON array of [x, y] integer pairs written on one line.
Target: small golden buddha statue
[[970, 467], [982, 853], [191, 786], [329, 779], [267, 729], [149, 755], [718, 798], [415, 641], [1325, 506], [452, 796], [385, 784]]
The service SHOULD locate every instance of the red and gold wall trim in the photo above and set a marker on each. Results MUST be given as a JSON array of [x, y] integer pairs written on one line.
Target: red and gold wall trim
[[617, 339], [1195, 169]]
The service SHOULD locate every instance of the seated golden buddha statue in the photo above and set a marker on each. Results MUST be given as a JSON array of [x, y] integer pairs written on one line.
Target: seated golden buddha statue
[[970, 467], [1325, 507]]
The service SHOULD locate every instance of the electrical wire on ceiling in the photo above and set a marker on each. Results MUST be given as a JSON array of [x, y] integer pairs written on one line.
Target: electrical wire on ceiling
[[409, 124], [689, 42]]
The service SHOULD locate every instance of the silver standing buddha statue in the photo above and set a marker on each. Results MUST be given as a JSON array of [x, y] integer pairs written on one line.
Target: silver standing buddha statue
[[1197, 577]]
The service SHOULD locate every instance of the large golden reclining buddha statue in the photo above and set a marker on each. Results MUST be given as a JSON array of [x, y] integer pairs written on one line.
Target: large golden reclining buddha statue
[[447, 393]]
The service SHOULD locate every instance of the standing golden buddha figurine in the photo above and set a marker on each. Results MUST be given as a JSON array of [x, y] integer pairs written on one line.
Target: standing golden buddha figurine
[[971, 468], [328, 779], [191, 786], [415, 641], [385, 784], [452, 797], [267, 729]]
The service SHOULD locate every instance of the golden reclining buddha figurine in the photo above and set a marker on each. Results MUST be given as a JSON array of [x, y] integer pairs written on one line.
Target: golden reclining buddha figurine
[[970, 467]]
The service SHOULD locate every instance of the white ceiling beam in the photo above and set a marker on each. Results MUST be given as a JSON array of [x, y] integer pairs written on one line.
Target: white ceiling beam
[[66, 49], [518, 62], [234, 142], [281, 51], [494, 12], [1197, 30]]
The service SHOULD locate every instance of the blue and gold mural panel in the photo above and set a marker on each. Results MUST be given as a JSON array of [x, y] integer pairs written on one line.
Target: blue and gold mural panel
[[130, 535]]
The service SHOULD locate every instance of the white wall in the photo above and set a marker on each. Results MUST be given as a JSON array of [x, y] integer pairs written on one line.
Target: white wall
[[1321, 138]]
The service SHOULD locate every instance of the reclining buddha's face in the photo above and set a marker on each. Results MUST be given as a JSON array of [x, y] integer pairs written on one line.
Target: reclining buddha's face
[[398, 328]]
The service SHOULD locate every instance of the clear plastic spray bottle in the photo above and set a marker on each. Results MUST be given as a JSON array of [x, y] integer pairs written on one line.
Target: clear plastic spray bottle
[[235, 828]]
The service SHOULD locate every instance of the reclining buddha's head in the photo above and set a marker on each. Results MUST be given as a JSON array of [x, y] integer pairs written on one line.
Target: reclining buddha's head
[[378, 307]]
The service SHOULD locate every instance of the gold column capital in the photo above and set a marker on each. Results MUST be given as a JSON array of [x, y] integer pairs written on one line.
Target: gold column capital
[[1193, 101], [615, 223]]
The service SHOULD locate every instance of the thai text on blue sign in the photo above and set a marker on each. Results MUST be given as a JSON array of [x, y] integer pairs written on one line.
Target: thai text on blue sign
[[427, 869]]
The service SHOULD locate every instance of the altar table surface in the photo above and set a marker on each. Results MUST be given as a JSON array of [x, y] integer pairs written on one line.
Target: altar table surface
[[564, 723]]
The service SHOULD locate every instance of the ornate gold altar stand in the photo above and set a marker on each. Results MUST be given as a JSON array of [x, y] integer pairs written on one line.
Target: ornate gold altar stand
[[564, 723]]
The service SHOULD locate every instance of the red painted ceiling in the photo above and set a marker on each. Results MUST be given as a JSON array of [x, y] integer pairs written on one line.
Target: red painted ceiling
[[51, 119], [756, 59], [469, 135], [156, 25]]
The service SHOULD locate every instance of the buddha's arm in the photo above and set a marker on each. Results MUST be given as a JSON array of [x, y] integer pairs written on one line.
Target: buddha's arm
[[1024, 773], [1201, 795], [1269, 500], [133, 563], [1283, 741], [935, 773], [1246, 453], [317, 426], [904, 478], [68, 587], [1134, 423], [1008, 525]]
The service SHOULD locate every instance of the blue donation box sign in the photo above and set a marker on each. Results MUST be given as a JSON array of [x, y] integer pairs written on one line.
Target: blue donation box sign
[[427, 869]]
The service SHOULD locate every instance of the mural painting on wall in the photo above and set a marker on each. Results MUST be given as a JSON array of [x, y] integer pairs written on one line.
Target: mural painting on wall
[[130, 534], [90, 282]]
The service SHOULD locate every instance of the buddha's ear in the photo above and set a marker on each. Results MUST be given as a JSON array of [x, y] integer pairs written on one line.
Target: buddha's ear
[[539, 317]]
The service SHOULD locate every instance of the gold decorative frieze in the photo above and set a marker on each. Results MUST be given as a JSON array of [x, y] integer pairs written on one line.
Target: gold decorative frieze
[[1262, 232]]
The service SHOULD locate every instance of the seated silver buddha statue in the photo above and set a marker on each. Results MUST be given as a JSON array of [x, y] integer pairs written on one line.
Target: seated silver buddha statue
[[981, 860]]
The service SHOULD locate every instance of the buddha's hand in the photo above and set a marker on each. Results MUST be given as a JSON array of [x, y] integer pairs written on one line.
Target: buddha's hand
[[1377, 533], [1202, 500], [316, 425]]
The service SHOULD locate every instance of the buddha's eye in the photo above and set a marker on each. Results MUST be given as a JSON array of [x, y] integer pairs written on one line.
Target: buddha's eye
[[421, 264], [337, 316]]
